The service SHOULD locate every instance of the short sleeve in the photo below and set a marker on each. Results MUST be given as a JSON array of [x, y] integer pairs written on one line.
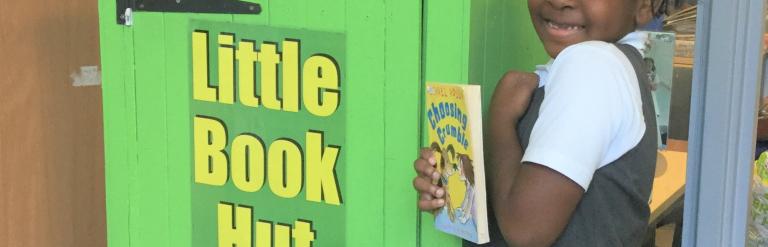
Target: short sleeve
[[591, 113]]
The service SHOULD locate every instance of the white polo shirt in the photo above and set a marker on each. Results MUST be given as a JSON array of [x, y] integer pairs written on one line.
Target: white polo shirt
[[592, 112]]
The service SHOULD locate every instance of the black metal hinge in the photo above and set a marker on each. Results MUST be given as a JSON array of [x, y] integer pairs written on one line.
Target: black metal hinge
[[125, 8]]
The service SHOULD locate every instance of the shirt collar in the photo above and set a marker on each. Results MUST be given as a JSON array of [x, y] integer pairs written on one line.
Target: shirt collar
[[637, 39]]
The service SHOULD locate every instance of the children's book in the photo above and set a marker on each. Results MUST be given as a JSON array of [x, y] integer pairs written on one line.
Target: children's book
[[454, 124]]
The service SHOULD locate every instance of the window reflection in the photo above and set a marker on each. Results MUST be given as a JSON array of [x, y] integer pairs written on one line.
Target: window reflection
[[672, 41]]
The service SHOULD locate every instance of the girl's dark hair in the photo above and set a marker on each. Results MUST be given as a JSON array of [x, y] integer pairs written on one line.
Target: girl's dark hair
[[659, 7], [468, 168], [662, 7]]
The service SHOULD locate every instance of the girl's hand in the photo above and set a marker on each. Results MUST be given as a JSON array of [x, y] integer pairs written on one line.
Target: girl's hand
[[512, 96], [431, 197]]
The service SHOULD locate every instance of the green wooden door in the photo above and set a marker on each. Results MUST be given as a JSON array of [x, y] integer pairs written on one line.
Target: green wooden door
[[385, 50]]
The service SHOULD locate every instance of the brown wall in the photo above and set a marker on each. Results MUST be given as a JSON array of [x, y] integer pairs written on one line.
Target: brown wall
[[51, 148]]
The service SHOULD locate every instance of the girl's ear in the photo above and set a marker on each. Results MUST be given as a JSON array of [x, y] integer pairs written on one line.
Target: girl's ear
[[644, 12]]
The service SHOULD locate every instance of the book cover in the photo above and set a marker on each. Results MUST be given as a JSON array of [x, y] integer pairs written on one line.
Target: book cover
[[453, 114]]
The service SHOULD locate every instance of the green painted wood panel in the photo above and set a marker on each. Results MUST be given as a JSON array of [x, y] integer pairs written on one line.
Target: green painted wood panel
[[401, 116], [149, 189], [330, 16], [365, 34], [510, 41], [477, 41], [178, 128], [289, 13], [446, 34], [119, 119]]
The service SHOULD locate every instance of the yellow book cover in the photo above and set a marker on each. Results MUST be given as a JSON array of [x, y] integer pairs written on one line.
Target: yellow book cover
[[454, 124]]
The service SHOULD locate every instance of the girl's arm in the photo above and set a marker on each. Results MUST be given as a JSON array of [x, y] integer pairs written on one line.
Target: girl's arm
[[532, 203]]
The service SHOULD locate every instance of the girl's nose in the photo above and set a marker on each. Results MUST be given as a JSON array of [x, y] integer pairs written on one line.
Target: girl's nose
[[562, 4]]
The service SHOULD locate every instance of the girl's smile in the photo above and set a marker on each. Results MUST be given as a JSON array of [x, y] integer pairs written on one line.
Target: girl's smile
[[561, 23]]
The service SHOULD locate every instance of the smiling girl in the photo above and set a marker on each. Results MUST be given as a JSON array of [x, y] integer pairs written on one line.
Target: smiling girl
[[572, 147]]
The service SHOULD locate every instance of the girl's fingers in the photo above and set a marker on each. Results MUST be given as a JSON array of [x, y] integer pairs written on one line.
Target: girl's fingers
[[431, 205], [438, 192], [425, 153], [425, 186], [430, 195], [424, 169], [425, 196]]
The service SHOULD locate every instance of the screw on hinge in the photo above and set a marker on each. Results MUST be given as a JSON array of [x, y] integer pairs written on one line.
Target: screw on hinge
[[128, 17]]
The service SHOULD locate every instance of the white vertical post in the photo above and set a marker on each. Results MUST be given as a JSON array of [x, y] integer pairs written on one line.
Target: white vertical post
[[724, 99]]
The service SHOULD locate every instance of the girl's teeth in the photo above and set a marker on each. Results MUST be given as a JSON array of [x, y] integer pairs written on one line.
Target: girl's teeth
[[558, 26]]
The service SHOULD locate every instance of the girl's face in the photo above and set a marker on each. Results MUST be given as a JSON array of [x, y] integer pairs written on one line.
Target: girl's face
[[561, 23]]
